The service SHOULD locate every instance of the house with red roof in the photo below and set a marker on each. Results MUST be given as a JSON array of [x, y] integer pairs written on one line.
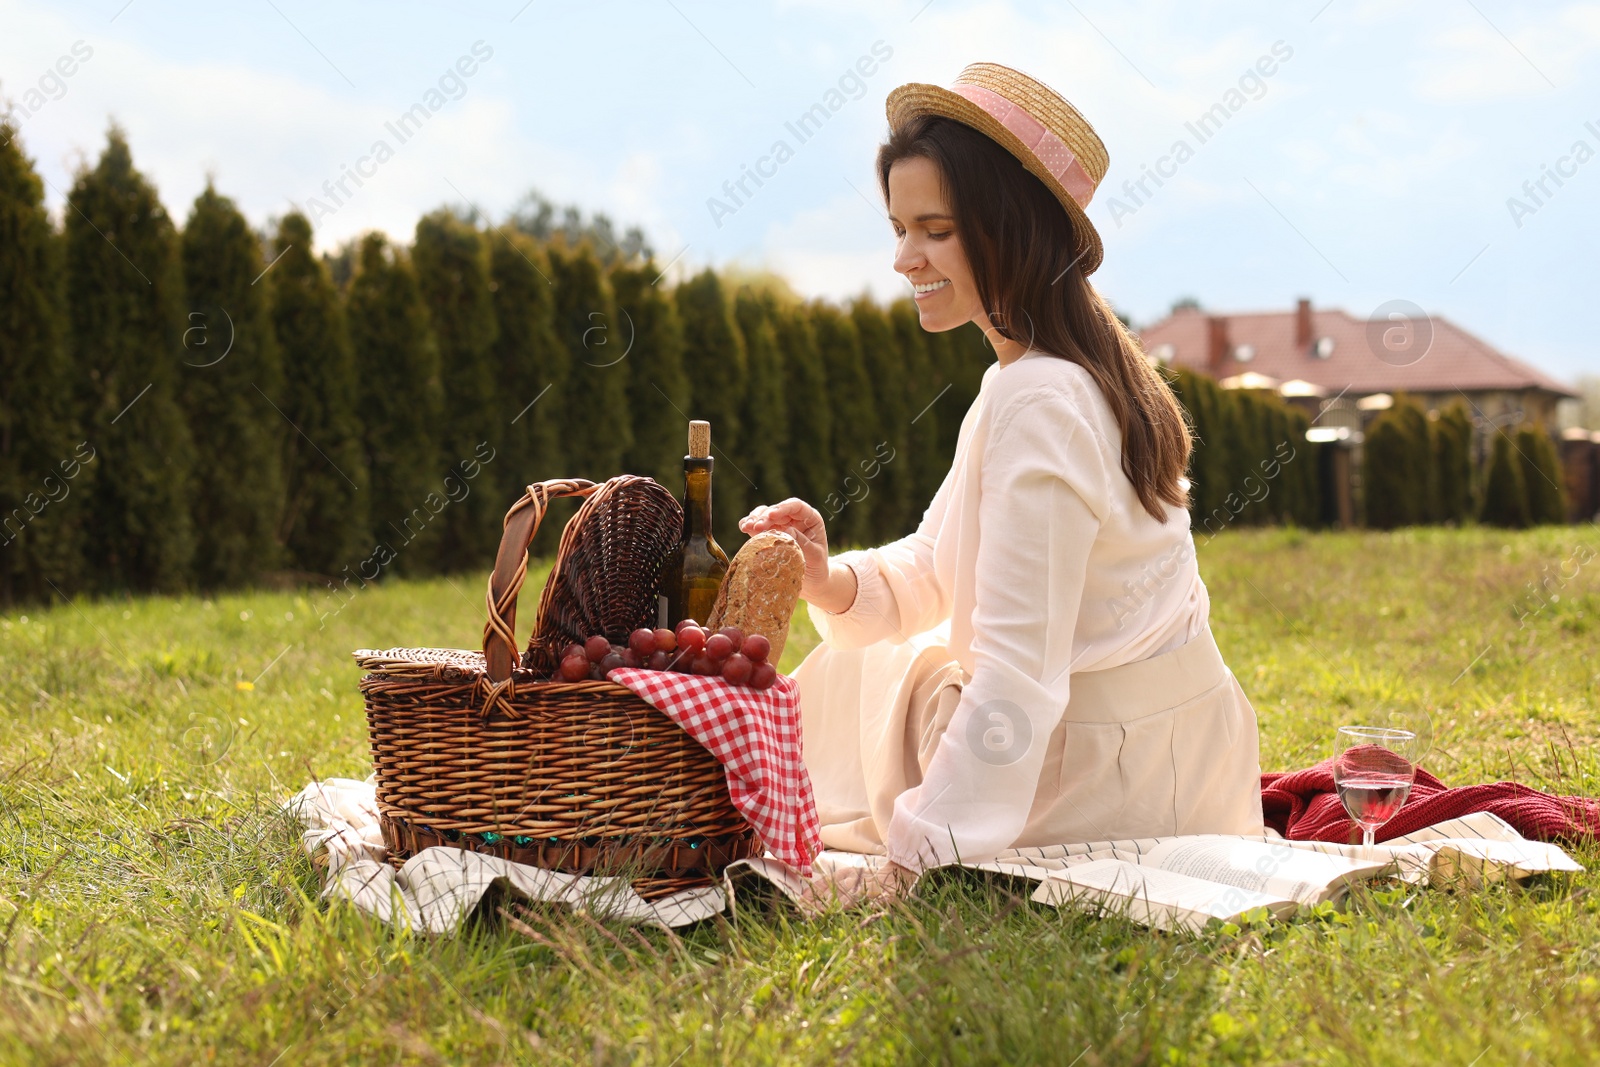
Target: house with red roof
[[1344, 369]]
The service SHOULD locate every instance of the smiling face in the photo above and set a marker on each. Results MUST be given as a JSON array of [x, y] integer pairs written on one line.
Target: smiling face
[[928, 249], [928, 252]]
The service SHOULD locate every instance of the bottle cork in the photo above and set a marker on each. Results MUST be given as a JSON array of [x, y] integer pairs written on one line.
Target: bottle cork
[[699, 439]]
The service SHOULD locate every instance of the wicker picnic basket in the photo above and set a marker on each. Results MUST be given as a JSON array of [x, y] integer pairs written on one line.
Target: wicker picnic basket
[[484, 751]]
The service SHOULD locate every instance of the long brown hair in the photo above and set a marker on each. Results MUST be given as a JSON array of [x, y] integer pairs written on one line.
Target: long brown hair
[[1019, 244]]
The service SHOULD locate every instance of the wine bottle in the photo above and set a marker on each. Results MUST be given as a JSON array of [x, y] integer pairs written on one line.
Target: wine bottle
[[694, 572]]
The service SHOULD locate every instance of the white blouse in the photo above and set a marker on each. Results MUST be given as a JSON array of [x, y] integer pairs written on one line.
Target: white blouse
[[1040, 556]]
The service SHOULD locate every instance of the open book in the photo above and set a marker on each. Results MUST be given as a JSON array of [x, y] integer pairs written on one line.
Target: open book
[[1184, 882]]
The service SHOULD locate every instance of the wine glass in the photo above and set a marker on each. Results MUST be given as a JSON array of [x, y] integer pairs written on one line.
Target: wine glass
[[1373, 768]]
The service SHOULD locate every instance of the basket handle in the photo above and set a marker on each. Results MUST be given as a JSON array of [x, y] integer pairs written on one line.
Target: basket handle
[[511, 566]]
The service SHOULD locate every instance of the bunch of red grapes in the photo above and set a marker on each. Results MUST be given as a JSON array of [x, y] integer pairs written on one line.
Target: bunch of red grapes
[[690, 649]]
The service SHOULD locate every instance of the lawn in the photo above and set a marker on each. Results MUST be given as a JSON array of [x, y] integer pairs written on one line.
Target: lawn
[[154, 907]]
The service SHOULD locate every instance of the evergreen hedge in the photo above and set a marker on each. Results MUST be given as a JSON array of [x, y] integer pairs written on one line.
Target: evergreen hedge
[[1398, 467], [764, 415], [216, 411], [328, 500], [1452, 459], [452, 265], [717, 362], [531, 366], [1542, 480], [45, 462], [925, 466], [1250, 463], [596, 338], [125, 289], [657, 385], [1505, 500], [399, 404], [810, 460], [229, 351], [856, 434]]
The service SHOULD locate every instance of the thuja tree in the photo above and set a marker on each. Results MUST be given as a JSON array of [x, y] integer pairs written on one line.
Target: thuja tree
[[1398, 467], [1302, 472], [43, 471], [1202, 400], [1541, 476], [1452, 461], [125, 306], [398, 404], [658, 386], [452, 263], [765, 416], [325, 518], [925, 464], [855, 427], [718, 368], [1286, 464], [889, 474], [969, 354], [809, 470], [941, 402], [1252, 445], [229, 352], [531, 366], [596, 421], [1505, 501]]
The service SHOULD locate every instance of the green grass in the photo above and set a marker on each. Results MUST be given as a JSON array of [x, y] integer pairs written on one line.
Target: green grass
[[154, 908]]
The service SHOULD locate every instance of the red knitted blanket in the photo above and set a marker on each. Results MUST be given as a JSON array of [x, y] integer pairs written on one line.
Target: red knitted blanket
[[1304, 806]]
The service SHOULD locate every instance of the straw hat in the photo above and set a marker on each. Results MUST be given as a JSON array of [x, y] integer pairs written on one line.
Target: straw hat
[[1032, 122]]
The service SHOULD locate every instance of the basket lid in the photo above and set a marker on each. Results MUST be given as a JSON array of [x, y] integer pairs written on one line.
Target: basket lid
[[435, 664]]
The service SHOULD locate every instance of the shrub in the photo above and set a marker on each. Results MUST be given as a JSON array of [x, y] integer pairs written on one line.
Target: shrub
[[44, 479], [124, 287], [1541, 476], [889, 491], [1398, 467], [925, 461], [398, 403], [1452, 459], [230, 351], [325, 524], [853, 443], [765, 415], [658, 386], [452, 265], [1505, 500], [719, 370], [597, 424], [809, 463]]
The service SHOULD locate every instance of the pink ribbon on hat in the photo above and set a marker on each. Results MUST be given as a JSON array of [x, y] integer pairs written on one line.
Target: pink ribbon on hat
[[1046, 147]]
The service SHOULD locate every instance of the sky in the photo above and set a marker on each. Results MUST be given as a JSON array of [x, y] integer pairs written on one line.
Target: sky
[[1394, 152]]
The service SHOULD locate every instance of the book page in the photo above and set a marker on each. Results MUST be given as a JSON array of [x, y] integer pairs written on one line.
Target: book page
[[1474, 825], [1152, 896], [1476, 860], [1275, 868]]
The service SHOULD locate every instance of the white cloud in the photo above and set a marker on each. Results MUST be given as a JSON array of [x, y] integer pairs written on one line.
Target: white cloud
[[833, 249], [1475, 60]]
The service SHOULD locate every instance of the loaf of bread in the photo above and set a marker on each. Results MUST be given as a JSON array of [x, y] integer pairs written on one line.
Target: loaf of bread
[[761, 588]]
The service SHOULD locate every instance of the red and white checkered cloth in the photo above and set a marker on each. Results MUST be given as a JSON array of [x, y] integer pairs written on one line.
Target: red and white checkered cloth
[[755, 734]]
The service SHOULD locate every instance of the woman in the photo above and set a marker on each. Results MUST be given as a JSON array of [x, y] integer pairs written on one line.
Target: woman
[[1033, 665]]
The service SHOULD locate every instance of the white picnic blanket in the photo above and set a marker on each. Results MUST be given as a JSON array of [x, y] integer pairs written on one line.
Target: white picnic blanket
[[439, 888]]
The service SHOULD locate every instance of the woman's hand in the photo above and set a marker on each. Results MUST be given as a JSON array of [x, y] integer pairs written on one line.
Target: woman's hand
[[802, 522], [830, 588], [849, 887]]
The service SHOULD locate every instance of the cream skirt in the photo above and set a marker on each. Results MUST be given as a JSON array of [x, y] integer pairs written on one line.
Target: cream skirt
[[1155, 748]]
